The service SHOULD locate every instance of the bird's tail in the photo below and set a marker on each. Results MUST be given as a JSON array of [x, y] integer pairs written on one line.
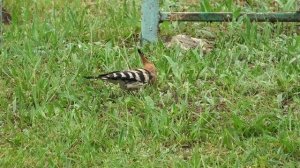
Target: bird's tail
[[91, 77], [101, 76], [95, 77]]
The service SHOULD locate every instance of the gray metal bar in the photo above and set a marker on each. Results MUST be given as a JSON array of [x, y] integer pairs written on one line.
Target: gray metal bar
[[228, 16]]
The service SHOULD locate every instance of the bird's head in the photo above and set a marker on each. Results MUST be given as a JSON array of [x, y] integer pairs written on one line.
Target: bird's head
[[148, 65]]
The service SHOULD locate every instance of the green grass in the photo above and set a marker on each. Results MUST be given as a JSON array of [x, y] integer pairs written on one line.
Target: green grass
[[237, 106]]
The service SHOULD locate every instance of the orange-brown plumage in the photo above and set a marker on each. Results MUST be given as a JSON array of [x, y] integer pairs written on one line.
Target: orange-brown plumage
[[148, 65]]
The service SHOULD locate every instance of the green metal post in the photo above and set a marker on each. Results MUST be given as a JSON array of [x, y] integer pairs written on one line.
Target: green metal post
[[150, 21], [1, 12], [1, 24]]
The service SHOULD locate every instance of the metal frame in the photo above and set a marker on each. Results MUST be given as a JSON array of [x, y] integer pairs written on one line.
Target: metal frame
[[152, 16]]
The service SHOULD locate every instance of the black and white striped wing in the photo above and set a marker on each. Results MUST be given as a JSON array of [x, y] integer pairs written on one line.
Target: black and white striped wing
[[131, 79]]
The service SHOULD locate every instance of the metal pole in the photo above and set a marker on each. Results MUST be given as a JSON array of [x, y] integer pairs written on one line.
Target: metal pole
[[0, 22], [228, 16], [150, 20], [1, 13]]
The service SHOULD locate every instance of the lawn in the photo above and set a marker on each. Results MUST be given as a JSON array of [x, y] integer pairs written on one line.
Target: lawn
[[237, 106]]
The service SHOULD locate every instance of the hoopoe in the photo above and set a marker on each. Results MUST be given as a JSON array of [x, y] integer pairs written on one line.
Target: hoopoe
[[131, 79]]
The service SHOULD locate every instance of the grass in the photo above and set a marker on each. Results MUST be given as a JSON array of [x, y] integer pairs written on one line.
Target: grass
[[237, 106]]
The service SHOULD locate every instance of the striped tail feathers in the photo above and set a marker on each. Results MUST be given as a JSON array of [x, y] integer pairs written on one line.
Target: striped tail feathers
[[130, 79], [101, 76], [93, 77], [141, 75]]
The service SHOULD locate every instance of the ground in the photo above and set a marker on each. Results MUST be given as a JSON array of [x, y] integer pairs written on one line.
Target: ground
[[237, 106]]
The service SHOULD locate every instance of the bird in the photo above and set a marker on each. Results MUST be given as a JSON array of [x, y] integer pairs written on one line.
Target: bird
[[132, 79]]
